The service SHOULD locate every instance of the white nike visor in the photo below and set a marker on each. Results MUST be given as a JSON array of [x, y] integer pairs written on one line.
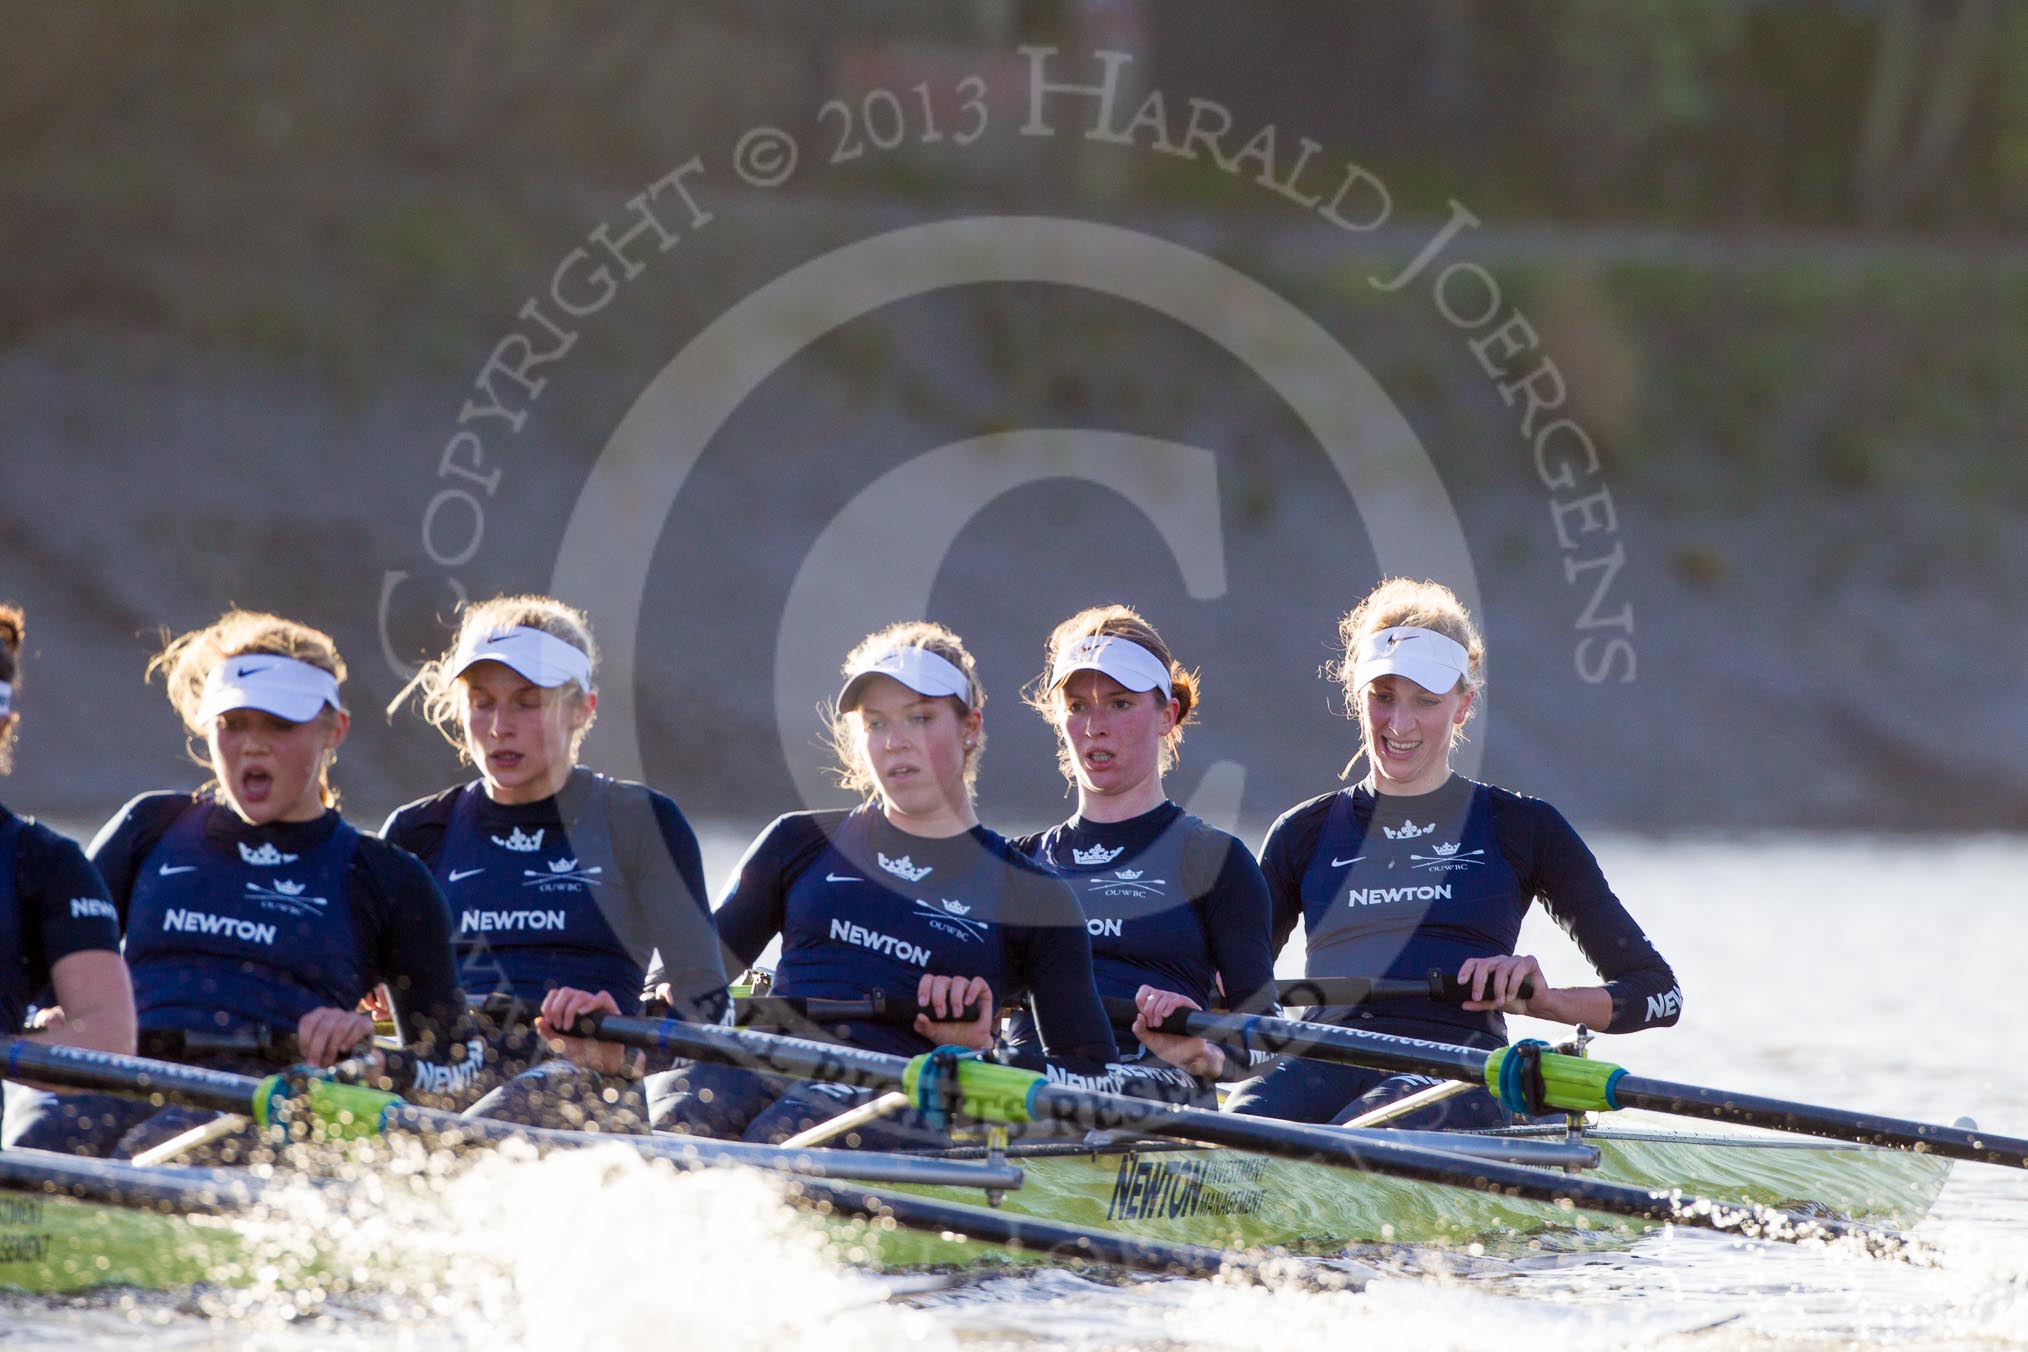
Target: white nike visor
[[917, 668], [276, 685], [1120, 658], [541, 657], [1432, 660]]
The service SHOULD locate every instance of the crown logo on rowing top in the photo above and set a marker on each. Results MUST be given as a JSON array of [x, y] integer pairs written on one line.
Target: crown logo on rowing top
[[1446, 851], [520, 842], [1408, 831], [287, 888], [904, 867], [1127, 874], [267, 855], [1097, 854], [562, 865], [956, 907]]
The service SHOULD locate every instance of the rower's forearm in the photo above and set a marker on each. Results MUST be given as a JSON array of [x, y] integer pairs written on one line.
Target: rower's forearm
[[99, 1030], [1209, 1064], [1591, 1006]]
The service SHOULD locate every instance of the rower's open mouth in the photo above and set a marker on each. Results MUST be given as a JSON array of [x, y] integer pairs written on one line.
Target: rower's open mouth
[[255, 784]]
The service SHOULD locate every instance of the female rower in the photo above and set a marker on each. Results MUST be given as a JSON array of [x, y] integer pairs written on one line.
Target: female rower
[[59, 931], [1177, 910], [558, 876], [907, 894], [256, 917], [1415, 868]]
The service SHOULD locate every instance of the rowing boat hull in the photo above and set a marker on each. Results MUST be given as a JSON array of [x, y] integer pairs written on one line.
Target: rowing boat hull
[[1228, 1199], [67, 1224], [82, 1223], [60, 1244]]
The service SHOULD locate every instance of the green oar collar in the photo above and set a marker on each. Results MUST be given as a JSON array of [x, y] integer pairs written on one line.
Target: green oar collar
[[953, 1081], [1528, 1079], [329, 1111]]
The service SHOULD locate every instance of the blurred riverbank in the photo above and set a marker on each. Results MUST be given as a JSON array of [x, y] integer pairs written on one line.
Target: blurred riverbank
[[249, 300]]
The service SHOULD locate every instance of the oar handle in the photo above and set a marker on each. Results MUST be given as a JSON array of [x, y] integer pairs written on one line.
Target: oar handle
[[1437, 985], [177, 1044], [794, 1011], [1443, 987]]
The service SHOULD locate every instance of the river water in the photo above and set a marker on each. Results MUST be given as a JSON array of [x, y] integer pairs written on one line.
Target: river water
[[1869, 974]]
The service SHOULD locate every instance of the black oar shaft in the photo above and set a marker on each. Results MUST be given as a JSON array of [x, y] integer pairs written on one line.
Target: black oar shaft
[[796, 1058], [1719, 1105], [81, 1068], [211, 1192], [1400, 1055]]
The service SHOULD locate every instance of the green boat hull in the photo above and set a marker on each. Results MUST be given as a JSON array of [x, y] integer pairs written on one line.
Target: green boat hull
[[58, 1244], [1231, 1200], [69, 1224], [77, 1224]]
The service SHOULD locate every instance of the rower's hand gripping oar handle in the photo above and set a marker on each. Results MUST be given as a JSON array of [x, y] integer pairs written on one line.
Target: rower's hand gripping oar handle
[[1124, 1012], [1446, 989]]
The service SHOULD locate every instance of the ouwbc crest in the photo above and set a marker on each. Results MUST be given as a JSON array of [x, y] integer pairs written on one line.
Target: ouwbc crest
[[267, 856], [521, 842], [1097, 854], [286, 895], [1408, 831], [952, 920], [556, 871]]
